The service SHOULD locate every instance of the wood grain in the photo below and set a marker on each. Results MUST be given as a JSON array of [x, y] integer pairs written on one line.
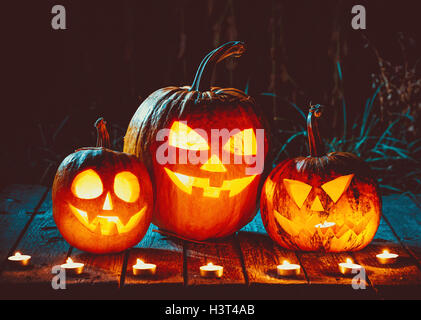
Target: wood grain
[[17, 202], [249, 258], [167, 254], [46, 246], [404, 218], [384, 278], [222, 253], [262, 255], [103, 271]]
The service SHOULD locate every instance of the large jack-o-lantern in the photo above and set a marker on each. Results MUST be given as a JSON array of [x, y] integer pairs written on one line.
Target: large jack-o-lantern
[[321, 202], [102, 199], [210, 198]]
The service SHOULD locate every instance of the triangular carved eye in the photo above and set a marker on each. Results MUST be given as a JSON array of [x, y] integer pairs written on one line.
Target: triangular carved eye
[[337, 187], [184, 137], [297, 190], [242, 143]]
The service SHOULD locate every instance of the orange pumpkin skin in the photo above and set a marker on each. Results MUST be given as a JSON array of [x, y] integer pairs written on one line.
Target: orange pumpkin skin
[[325, 203], [204, 212], [208, 209], [107, 221]]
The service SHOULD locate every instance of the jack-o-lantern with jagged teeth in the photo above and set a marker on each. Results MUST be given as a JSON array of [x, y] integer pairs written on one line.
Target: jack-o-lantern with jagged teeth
[[321, 202], [102, 199]]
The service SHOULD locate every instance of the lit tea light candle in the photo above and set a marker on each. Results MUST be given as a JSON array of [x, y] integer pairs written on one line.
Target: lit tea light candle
[[144, 269], [73, 268], [211, 271], [325, 225], [347, 267], [386, 257], [287, 269], [19, 259]]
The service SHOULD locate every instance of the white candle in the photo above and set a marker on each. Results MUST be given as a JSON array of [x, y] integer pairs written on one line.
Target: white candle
[[324, 225], [347, 267], [211, 271], [287, 269], [144, 269], [73, 267], [386, 257], [20, 259]]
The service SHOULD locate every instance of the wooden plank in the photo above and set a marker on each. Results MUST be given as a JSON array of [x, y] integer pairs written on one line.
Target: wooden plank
[[404, 217], [44, 242], [326, 281], [17, 203], [401, 280], [167, 254], [321, 272], [46, 246], [262, 255], [101, 272], [222, 253]]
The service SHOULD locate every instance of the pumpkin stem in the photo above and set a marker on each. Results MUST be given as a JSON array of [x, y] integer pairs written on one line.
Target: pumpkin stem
[[102, 137], [202, 79], [315, 142]]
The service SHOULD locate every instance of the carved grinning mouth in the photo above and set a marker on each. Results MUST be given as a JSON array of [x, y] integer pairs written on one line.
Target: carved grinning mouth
[[186, 183], [107, 225], [332, 232]]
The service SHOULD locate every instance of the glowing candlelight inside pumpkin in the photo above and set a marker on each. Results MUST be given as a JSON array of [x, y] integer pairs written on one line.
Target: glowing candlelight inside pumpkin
[[211, 271], [347, 267], [386, 257], [144, 269], [74, 268], [20, 259], [287, 269]]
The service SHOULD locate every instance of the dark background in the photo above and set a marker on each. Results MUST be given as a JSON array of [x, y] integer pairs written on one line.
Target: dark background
[[56, 83]]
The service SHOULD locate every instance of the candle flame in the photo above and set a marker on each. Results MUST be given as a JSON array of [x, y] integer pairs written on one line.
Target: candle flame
[[139, 262], [69, 260], [286, 262], [348, 260], [210, 264], [385, 251], [17, 254]]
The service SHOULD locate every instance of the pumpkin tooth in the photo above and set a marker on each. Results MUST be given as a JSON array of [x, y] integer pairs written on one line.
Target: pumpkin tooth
[[108, 228], [97, 228], [208, 187], [125, 218], [91, 216], [216, 181], [196, 192], [339, 231], [211, 192], [344, 238]]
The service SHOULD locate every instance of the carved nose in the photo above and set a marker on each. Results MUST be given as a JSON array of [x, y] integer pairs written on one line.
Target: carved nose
[[214, 164], [317, 205], [107, 203]]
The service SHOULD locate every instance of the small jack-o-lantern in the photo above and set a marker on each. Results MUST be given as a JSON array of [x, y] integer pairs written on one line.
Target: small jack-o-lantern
[[211, 198], [321, 202], [102, 199]]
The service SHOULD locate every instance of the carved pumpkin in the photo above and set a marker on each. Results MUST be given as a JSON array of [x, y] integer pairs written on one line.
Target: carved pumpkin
[[321, 202], [102, 199], [202, 198]]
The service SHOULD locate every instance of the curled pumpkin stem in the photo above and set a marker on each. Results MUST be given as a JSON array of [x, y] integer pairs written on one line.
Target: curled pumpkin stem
[[102, 138], [315, 142], [202, 80]]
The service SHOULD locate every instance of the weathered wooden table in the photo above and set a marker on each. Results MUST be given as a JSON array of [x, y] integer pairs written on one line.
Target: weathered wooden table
[[249, 258]]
